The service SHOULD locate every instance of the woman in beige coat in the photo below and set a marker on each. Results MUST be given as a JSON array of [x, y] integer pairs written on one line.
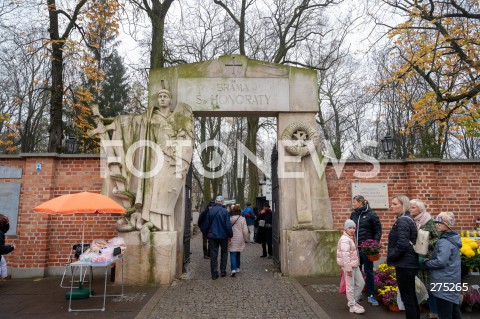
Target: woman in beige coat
[[240, 236]]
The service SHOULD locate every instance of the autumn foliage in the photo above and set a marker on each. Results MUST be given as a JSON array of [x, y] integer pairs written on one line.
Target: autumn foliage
[[101, 23], [438, 41]]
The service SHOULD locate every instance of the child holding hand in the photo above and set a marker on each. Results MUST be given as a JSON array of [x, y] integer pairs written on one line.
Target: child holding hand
[[348, 259]]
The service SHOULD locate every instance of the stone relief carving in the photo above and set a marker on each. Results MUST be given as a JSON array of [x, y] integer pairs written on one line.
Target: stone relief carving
[[299, 133], [152, 153]]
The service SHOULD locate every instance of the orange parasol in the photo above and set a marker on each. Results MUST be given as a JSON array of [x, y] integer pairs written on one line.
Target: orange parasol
[[84, 202]]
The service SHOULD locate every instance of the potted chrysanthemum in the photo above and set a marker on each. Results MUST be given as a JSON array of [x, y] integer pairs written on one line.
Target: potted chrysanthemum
[[371, 248]]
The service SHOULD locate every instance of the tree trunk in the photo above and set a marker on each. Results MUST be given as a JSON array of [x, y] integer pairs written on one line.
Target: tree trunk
[[56, 96], [157, 16]]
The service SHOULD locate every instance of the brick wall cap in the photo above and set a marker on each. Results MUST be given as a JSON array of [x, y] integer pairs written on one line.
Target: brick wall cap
[[414, 160], [27, 155]]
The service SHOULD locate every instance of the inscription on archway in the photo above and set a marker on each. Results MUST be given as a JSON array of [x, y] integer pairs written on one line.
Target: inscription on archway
[[232, 94]]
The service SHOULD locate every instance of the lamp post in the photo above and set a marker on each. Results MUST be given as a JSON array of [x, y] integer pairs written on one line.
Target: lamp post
[[387, 145], [71, 145]]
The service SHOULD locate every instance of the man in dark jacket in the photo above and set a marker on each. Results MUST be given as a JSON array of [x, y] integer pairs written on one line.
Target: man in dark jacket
[[368, 227], [218, 229], [201, 220]]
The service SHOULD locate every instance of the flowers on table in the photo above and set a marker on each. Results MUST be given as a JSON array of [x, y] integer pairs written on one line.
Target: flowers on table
[[470, 253], [370, 247]]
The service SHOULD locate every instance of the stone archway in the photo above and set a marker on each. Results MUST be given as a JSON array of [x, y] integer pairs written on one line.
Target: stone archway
[[234, 85]]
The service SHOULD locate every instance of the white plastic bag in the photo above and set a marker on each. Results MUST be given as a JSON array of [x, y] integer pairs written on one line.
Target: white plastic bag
[[421, 290], [400, 304]]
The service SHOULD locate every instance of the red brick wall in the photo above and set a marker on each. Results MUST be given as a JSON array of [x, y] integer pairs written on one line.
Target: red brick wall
[[44, 240], [442, 185]]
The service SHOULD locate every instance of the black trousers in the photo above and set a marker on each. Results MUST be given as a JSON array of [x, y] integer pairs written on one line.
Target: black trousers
[[406, 285], [205, 246], [214, 244], [447, 309]]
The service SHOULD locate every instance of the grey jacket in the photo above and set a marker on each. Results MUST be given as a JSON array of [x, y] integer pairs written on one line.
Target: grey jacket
[[444, 266]]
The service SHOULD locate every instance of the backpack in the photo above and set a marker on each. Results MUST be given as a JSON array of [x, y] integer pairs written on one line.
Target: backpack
[[421, 245]]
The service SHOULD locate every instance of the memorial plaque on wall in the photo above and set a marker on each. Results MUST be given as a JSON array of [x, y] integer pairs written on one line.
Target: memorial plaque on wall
[[375, 193], [10, 199]]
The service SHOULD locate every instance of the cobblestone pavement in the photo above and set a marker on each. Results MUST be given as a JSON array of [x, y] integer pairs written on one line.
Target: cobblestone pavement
[[258, 291]]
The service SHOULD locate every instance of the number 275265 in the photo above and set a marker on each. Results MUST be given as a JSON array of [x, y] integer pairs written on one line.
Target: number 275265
[[448, 286]]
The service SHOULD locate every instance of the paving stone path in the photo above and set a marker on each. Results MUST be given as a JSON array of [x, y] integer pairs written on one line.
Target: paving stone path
[[258, 291]]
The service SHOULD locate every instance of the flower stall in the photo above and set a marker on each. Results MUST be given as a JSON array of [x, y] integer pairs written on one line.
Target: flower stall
[[470, 253]]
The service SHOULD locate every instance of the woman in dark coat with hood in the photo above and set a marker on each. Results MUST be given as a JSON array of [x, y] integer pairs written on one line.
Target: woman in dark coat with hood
[[402, 256], [264, 232], [368, 227]]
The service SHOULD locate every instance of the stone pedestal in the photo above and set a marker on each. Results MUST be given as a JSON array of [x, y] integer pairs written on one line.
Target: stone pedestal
[[152, 263], [309, 252]]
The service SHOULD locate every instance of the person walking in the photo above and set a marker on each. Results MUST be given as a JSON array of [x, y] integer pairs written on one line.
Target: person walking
[[4, 249], [402, 256], [264, 232], [250, 218], [218, 229], [444, 267], [240, 235], [424, 221], [368, 227], [201, 220], [348, 259]]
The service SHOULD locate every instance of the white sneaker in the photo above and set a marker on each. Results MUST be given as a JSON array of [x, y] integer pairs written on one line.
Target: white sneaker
[[356, 308], [238, 269]]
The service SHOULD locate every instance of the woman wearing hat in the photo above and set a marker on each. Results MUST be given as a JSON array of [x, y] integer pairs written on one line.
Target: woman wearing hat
[[444, 266], [348, 259]]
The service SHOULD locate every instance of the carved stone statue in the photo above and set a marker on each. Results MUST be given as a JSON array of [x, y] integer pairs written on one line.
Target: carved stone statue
[[151, 155]]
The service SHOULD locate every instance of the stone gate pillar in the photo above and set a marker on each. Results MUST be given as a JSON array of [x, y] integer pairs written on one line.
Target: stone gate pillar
[[307, 239]]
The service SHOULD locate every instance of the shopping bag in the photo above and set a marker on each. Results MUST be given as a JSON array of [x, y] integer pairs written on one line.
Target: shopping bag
[[400, 304], [342, 288], [420, 290]]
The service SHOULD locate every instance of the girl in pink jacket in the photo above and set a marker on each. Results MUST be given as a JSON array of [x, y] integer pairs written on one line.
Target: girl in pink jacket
[[347, 258]]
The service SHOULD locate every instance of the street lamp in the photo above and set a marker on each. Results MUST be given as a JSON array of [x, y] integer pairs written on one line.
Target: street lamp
[[387, 145], [71, 144]]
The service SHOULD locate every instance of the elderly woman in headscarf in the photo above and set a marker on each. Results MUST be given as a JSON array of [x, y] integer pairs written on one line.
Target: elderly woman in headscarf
[[425, 222]]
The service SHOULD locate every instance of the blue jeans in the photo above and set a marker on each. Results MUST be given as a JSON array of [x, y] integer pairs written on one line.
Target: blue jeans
[[368, 269], [235, 260], [213, 244]]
